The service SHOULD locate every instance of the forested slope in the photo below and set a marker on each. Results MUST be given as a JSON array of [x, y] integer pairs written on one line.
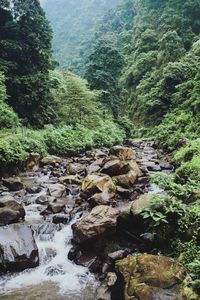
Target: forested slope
[[73, 23], [159, 79]]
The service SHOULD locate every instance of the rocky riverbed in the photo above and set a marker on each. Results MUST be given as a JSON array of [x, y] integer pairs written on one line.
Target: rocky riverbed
[[70, 229]]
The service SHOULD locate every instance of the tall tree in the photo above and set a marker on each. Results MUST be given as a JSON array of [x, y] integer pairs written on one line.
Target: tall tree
[[103, 69], [25, 58]]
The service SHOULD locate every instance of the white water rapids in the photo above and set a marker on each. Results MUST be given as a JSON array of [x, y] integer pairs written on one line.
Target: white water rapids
[[55, 269]]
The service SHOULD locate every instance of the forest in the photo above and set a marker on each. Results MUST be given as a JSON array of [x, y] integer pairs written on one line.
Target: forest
[[78, 79]]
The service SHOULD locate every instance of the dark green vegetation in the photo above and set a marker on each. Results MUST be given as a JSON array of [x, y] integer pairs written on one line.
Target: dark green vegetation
[[141, 70], [25, 59]]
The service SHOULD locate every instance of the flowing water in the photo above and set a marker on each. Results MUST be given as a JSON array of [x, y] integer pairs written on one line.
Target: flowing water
[[56, 277]]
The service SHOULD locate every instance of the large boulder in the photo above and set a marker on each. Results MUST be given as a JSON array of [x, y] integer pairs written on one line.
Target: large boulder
[[13, 183], [126, 180], [124, 153], [18, 248], [57, 190], [97, 183], [149, 277], [100, 219], [140, 203], [10, 210], [115, 167]]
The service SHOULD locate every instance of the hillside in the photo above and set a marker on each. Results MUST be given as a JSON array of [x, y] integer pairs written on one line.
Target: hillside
[[73, 23]]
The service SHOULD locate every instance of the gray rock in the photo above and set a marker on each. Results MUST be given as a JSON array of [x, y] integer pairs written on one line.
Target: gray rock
[[18, 248]]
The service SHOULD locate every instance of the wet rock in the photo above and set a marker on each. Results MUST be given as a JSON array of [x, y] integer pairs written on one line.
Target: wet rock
[[97, 183], [44, 200], [57, 190], [54, 208], [124, 153], [60, 218], [95, 166], [73, 253], [104, 290], [99, 220], [154, 167], [70, 179], [99, 154], [126, 180], [140, 203], [166, 166], [33, 190], [18, 248], [46, 231], [10, 210], [125, 193], [75, 168], [149, 277], [115, 167], [101, 198], [13, 183], [85, 260], [50, 160]]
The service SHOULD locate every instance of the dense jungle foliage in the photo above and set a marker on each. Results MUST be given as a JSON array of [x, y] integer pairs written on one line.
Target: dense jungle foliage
[[140, 68]]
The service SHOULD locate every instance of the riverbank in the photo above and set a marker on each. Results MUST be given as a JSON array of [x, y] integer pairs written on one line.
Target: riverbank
[[63, 192]]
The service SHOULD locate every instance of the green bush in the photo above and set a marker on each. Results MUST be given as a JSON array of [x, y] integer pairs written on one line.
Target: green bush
[[163, 210], [8, 117], [66, 139], [188, 253], [188, 160], [107, 134], [182, 192]]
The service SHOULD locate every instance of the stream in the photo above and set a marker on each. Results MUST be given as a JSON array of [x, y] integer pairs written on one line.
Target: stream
[[57, 277]]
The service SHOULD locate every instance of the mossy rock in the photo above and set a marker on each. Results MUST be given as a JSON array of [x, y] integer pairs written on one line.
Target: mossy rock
[[151, 277]]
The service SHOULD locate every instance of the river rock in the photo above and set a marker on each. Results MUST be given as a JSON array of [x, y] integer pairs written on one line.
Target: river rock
[[54, 208], [51, 160], [97, 183], [104, 290], [149, 277], [115, 167], [60, 219], [13, 183], [126, 180], [99, 220], [75, 168], [140, 203], [57, 190], [134, 167], [101, 198], [10, 210], [18, 248], [33, 189], [70, 179], [124, 153], [99, 154], [95, 166]]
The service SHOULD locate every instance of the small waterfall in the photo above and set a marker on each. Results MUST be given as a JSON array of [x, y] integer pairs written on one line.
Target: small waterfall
[[55, 267]]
